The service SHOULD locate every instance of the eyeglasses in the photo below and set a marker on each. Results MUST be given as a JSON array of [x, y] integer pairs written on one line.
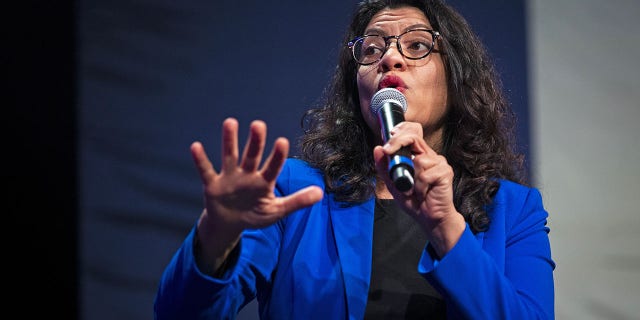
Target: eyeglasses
[[412, 44]]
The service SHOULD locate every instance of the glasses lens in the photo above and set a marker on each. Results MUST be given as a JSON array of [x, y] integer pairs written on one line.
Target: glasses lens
[[368, 49], [416, 44]]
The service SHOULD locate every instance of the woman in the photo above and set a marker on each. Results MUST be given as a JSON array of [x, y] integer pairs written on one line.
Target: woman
[[328, 236]]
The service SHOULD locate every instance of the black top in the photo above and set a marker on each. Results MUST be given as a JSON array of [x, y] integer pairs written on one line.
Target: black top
[[397, 290]]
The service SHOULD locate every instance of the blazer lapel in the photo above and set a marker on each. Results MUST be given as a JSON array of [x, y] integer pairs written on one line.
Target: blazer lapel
[[353, 234]]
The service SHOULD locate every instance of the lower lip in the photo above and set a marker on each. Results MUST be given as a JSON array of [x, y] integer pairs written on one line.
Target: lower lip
[[401, 89]]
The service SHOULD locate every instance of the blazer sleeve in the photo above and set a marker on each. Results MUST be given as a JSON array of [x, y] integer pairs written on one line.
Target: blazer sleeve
[[505, 273], [186, 293]]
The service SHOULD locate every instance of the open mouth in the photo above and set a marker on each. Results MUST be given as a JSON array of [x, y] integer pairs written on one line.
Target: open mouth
[[392, 81]]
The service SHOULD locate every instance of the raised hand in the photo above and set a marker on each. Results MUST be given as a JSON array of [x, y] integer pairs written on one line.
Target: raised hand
[[241, 195]]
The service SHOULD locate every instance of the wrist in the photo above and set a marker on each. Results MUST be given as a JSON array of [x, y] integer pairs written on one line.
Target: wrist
[[213, 245], [446, 235]]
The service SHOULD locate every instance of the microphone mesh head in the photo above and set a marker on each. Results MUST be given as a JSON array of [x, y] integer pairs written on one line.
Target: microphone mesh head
[[387, 95]]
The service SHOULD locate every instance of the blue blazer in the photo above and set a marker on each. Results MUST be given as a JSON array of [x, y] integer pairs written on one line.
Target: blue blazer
[[316, 264]]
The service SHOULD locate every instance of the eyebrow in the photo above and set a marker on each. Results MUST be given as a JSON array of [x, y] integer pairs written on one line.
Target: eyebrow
[[378, 31]]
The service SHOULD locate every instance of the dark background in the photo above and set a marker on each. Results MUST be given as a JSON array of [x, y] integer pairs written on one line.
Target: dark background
[[105, 98], [40, 164]]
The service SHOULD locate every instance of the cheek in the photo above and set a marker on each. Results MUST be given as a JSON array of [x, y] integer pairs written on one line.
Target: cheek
[[441, 95], [365, 94], [441, 83], [437, 88], [366, 83], [368, 116]]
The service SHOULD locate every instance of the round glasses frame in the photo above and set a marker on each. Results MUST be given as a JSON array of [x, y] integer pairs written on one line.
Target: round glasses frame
[[387, 42]]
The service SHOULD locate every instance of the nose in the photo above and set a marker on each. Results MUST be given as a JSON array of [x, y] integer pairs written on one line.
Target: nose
[[392, 59]]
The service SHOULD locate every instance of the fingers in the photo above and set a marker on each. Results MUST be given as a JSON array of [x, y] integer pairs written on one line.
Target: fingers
[[406, 134], [274, 162], [229, 144], [252, 153], [202, 163], [431, 169], [253, 150], [428, 171], [382, 162]]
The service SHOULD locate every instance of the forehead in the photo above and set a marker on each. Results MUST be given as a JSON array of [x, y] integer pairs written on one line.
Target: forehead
[[398, 19]]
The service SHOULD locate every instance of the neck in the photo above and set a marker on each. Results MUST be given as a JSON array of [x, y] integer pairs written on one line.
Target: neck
[[382, 192], [434, 139]]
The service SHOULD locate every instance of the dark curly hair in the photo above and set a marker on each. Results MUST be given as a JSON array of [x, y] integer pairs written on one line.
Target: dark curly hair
[[478, 139]]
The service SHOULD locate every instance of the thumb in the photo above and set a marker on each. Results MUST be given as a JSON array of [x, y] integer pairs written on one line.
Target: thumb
[[301, 199]]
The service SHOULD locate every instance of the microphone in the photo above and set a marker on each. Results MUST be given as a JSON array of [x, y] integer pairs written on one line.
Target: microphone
[[389, 105]]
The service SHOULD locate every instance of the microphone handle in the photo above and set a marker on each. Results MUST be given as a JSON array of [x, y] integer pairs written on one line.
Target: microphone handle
[[401, 170], [400, 164]]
